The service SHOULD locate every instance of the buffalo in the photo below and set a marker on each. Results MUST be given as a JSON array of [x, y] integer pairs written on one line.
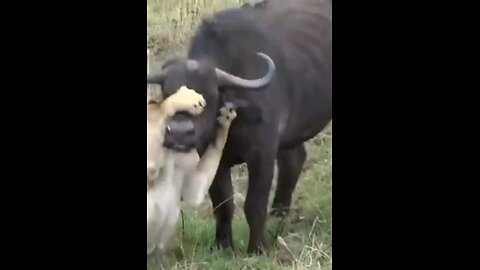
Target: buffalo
[[273, 61]]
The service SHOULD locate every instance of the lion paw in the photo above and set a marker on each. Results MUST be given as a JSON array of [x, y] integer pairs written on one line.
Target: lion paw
[[227, 115], [185, 100]]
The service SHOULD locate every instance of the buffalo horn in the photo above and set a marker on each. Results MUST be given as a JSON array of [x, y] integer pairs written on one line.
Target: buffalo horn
[[225, 78]]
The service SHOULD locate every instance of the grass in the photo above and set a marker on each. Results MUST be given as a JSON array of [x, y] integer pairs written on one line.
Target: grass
[[304, 239], [171, 22]]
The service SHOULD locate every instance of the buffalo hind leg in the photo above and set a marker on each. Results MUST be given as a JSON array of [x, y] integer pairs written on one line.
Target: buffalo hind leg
[[221, 194], [290, 163], [261, 171]]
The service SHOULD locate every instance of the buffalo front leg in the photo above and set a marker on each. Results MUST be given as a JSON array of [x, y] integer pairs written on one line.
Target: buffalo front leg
[[221, 194], [261, 170], [290, 163]]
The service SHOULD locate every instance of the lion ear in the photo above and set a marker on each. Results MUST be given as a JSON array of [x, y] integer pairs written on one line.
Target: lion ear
[[151, 101]]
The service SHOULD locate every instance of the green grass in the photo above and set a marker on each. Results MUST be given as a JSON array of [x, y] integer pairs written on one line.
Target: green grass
[[307, 232]]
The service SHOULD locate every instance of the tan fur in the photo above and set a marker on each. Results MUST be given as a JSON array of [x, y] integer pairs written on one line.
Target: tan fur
[[179, 174], [197, 183], [157, 115]]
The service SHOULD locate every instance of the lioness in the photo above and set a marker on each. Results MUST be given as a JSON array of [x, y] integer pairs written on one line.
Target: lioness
[[173, 176]]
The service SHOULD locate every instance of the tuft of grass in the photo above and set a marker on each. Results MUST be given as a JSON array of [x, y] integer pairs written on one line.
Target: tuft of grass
[[301, 241]]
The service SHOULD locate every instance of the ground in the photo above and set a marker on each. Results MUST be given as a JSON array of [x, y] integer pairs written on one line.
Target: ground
[[302, 241]]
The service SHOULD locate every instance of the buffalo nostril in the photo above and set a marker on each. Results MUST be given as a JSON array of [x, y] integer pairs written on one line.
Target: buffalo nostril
[[181, 135]]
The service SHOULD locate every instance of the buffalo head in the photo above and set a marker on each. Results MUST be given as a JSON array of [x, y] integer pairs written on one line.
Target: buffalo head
[[208, 80]]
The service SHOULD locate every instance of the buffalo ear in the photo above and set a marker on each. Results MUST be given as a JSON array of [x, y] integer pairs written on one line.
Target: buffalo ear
[[159, 77], [156, 79], [172, 60], [247, 110]]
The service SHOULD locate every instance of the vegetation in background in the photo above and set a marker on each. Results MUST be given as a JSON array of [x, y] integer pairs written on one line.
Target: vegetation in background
[[171, 22], [304, 239]]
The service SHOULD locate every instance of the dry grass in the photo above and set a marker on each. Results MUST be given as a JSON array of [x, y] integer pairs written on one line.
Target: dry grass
[[171, 23]]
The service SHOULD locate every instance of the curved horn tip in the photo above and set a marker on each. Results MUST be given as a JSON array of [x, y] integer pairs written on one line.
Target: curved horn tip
[[266, 57], [229, 79], [271, 65]]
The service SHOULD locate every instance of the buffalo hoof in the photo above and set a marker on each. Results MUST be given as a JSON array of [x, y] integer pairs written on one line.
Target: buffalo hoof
[[225, 244], [258, 249], [280, 212]]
